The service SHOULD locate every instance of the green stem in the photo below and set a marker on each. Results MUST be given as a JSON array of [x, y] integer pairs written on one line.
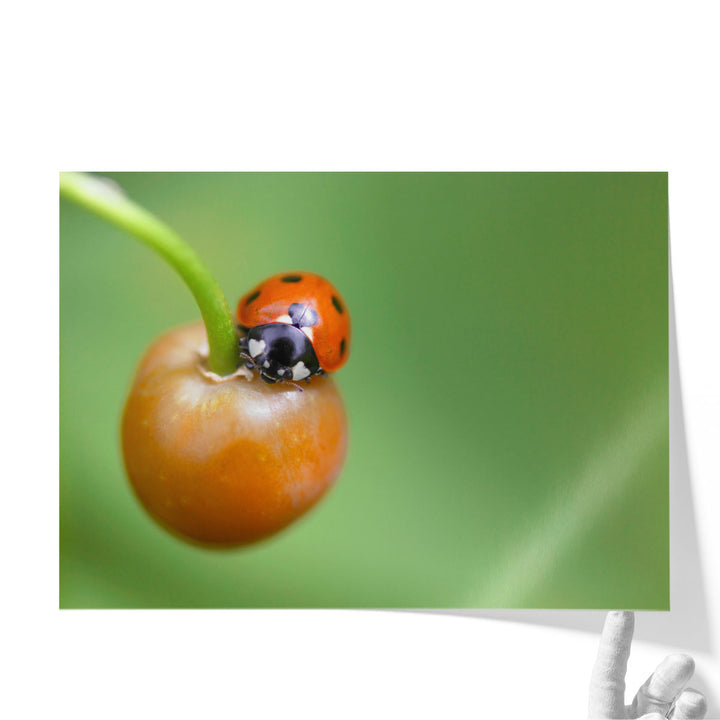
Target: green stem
[[102, 197]]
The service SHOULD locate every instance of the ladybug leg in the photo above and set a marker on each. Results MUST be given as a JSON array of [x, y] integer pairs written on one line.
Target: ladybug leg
[[249, 362]]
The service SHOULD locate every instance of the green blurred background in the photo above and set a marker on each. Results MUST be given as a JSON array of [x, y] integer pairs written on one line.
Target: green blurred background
[[507, 389]]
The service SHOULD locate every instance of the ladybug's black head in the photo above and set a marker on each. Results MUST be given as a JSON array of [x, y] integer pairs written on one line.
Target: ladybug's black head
[[280, 352]]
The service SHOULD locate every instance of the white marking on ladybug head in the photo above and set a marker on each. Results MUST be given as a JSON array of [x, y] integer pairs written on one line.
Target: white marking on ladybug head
[[300, 372], [284, 319], [256, 347], [266, 364], [307, 331]]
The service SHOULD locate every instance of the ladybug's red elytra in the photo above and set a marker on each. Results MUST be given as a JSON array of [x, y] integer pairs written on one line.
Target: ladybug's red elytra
[[296, 325]]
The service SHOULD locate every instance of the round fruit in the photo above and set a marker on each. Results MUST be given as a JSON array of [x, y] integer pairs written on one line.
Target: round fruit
[[225, 461]]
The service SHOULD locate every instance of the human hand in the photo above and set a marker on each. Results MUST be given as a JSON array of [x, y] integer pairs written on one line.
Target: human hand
[[661, 696]]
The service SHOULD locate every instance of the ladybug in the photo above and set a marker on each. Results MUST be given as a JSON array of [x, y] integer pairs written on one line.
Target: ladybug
[[295, 326]]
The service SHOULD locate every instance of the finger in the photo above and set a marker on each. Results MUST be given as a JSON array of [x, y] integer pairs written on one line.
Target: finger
[[690, 705], [607, 683], [664, 685]]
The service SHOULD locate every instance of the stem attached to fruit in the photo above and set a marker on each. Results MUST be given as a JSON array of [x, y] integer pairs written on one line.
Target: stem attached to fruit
[[106, 199]]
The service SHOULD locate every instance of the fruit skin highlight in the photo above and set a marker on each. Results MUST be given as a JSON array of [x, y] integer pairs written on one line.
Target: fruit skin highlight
[[227, 461]]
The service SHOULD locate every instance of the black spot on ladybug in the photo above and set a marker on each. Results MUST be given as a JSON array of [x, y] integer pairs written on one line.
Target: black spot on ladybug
[[337, 304], [252, 297], [342, 347], [302, 315], [292, 278]]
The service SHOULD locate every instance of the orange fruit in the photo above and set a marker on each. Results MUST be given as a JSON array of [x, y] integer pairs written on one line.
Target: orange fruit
[[227, 461]]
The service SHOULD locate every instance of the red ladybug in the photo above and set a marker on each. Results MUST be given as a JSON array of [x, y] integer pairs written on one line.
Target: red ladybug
[[296, 325]]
